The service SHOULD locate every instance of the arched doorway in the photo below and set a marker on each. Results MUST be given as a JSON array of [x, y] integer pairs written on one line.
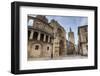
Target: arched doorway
[[60, 35], [61, 47]]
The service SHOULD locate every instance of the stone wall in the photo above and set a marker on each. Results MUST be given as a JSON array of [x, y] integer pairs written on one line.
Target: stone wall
[[83, 40]]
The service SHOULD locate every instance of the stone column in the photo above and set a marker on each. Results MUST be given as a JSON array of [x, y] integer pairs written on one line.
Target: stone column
[[44, 37], [39, 35], [31, 35]]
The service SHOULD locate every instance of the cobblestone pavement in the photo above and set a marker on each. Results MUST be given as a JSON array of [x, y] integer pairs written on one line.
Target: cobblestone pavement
[[60, 57]]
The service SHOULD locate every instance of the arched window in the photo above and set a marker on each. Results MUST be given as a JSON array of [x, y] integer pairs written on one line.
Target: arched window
[[42, 37], [36, 47], [35, 35]]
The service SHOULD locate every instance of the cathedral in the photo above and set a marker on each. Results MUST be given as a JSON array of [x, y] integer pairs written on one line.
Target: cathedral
[[46, 39]]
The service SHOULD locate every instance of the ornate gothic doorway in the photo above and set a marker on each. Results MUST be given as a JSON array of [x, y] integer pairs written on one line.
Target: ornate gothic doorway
[[61, 47]]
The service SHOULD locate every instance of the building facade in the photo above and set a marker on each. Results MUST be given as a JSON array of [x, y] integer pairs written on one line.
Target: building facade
[[45, 39], [59, 42], [83, 40]]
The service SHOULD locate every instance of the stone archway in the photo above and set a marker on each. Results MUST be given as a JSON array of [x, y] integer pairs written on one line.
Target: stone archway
[[61, 47], [61, 41]]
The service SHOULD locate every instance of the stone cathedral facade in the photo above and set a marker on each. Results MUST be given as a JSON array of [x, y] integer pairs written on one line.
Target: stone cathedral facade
[[46, 39]]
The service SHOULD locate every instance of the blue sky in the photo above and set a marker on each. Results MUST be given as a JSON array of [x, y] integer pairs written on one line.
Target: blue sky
[[69, 22]]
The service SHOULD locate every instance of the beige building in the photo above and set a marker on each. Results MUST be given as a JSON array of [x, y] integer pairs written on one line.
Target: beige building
[[59, 42], [83, 40], [45, 39]]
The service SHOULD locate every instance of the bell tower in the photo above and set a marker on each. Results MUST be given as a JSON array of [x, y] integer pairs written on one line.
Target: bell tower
[[71, 42]]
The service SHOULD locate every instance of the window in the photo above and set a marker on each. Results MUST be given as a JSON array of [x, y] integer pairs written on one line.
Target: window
[[47, 48], [35, 35], [46, 38], [36, 47], [42, 37]]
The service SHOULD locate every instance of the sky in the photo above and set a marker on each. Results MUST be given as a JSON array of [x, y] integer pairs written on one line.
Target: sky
[[69, 22]]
